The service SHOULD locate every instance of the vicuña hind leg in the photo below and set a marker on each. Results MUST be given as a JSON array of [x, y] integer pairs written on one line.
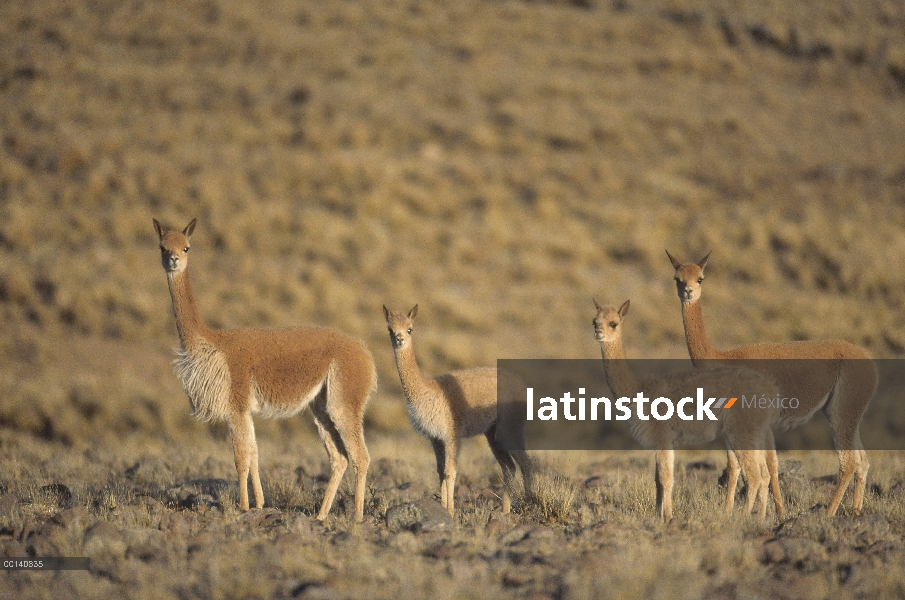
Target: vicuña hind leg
[[253, 463], [753, 463], [527, 467], [848, 463], [338, 460], [773, 474], [353, 439], [860, 480], [850, 455], [857, 385], [507, 464]]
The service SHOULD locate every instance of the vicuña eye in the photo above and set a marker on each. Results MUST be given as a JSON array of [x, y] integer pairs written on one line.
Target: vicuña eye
[[613, 324], [700, 280], [186, 249], [410, 330]]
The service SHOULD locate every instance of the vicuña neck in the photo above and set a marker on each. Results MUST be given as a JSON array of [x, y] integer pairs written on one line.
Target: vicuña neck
[[619, 376], [188, 320], [699, 347], [413, 380]]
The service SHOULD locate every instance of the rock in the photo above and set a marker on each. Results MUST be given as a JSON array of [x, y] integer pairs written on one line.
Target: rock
[[104, 538], [146, 544], [597, 481], [152, 505], [177, 524], [790, 467], [201, 494], [8, 504], [298, 523], [259, 517], [700, 465], [804, 554], [12, 549], [498, 523], [71, 517], [405, 492], [423, 515], [202, 543], [405, 542], [150, 471], [289, 541], [514, 536]]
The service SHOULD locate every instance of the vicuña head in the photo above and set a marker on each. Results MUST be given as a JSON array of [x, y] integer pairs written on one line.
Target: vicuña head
[[689, 278], [400, 326], [833, 375], [608, 322], [233, 374], [174, 247], [454, 406]]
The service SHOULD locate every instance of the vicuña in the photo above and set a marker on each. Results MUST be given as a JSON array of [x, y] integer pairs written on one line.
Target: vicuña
[[748, 434], [454, 406], [832, 375], [274, 372]]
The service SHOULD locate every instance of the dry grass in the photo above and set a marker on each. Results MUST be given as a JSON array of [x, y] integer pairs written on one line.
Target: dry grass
[[499, 163]]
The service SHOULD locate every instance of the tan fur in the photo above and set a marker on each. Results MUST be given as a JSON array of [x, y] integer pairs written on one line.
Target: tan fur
[[749, 437], [451, 407], [842, 383], [234, 374]]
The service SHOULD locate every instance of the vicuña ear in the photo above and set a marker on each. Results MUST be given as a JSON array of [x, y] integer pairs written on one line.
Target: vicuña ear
[[675, 264], [597, 304], [703, 262], [386, 312], [189, 228], [158, 228], [413, 312], [623, 310]]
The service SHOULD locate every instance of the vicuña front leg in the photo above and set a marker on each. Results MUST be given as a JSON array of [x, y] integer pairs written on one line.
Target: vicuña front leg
[[665, 474], [452, 452], [732, 471], [440, 455], [245, 449]]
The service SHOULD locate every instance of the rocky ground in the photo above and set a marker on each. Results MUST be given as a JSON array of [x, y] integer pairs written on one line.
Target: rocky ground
[[164, 523]]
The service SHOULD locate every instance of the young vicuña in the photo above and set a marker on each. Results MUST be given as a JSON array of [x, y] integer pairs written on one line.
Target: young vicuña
[[748, 433], [454, 406]]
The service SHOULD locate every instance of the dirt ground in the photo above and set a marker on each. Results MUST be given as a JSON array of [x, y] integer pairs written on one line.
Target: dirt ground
[[499, 163]]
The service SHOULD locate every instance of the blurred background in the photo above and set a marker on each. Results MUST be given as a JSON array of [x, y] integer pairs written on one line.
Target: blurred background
[[497, 162]]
